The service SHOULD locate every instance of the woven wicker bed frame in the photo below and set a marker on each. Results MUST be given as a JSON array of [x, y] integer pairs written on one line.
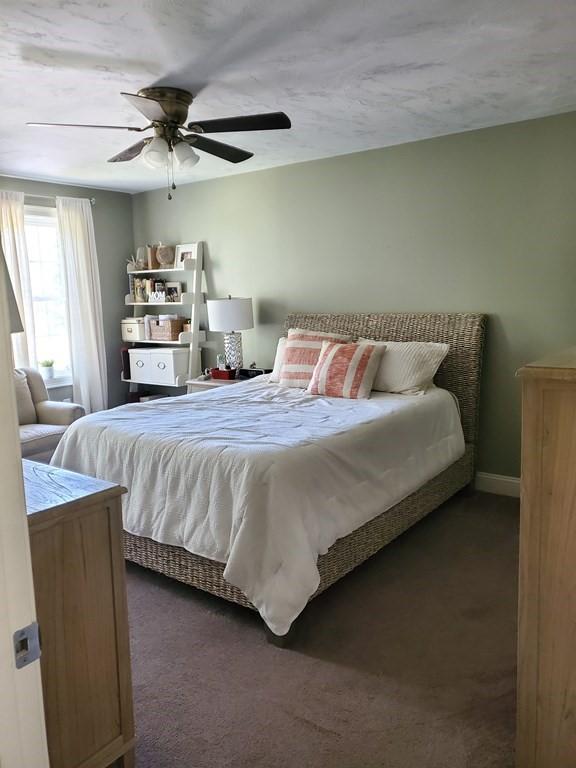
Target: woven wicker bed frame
[[460, 373]]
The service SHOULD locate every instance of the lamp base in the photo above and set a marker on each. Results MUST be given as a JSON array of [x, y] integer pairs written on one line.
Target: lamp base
[[233, 349]]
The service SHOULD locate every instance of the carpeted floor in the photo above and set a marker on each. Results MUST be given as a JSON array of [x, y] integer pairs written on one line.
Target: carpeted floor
[[409, 662]]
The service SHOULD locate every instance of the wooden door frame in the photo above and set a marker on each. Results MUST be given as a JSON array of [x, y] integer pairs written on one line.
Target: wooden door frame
[[22, 729]]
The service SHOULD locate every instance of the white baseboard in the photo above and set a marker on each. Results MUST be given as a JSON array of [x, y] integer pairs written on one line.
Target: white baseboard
[[503, 485]]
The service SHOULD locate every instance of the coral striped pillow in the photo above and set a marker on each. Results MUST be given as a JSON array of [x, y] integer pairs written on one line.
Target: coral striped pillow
[[345, 370], [301, 355]]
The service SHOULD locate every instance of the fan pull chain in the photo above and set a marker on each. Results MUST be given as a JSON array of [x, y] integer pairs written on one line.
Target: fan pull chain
[[170, 173], [168, 180]]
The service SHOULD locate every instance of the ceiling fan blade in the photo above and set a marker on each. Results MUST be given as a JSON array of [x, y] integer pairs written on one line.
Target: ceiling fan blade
[[82, 125], [269, 121], [130, 153], [148, 107], [217, 148]]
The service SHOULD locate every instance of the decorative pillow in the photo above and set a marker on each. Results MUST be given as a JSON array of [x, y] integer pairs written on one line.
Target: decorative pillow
[[278, 360], [301, 355], [346, 370], [24, 402], [408, 367]]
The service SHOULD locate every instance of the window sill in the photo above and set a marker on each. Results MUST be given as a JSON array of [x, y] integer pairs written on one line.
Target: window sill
[[58, 381]]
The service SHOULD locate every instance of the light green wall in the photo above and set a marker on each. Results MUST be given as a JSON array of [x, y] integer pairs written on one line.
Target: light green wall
[[482, 221], [113, 232]]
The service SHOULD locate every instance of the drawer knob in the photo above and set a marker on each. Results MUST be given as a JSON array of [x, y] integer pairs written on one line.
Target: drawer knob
[[161, 366], [139, 363]]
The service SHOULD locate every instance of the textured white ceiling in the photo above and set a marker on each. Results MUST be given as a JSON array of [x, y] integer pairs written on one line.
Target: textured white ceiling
[[352, 75]]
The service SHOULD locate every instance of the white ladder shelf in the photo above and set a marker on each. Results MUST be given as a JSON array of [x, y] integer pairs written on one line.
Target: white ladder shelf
[[192, 269]]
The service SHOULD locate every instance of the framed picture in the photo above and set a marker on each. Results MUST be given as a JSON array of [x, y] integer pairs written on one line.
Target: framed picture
[[186, 251], [174, 292]]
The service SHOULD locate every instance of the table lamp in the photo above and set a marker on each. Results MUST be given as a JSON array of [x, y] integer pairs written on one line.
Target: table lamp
[[230, 316], [13, 314]]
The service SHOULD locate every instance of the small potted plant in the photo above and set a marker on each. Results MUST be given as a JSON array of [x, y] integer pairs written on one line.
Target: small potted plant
[[46, 369]]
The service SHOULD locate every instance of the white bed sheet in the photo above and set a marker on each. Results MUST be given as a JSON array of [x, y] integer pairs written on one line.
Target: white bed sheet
[[264, 478]]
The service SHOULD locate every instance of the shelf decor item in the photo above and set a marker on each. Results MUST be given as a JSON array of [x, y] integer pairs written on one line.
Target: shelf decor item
[[139, 290], [186, 251], [141, 257], [165, 330], [132, 329], [152, 261], [165, 255], [173, 292], [46, 369], [225, 375], [230, 316]]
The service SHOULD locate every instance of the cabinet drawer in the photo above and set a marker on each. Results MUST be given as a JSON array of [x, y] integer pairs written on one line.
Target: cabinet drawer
[[166, 365], [140, 365]]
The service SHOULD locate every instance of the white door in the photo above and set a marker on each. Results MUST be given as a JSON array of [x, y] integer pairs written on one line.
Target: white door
[[22, 732]]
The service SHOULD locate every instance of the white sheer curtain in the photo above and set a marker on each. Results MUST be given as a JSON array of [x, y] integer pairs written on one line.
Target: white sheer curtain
[[87, 346], [14, 245]]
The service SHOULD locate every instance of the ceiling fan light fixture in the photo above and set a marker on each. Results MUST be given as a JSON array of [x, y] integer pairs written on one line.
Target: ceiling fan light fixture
[[185, 156], [155, 153]]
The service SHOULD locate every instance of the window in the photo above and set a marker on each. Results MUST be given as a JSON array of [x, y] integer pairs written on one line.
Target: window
[[48, 281]]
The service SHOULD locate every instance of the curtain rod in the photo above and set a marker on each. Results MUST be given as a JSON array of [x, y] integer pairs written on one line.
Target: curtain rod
[[53, 197]]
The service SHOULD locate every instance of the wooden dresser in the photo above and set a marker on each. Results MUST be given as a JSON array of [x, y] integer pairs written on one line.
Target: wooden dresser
[[547, 608], [75, 528]]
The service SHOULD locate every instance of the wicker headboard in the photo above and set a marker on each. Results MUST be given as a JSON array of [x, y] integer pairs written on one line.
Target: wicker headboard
[[459, 373]]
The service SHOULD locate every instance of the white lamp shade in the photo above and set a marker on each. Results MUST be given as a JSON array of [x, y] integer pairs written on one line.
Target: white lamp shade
[[232, 314], [185, 155], [155, 153]]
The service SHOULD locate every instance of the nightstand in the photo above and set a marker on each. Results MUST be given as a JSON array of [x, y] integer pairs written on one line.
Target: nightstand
[[202, 385]]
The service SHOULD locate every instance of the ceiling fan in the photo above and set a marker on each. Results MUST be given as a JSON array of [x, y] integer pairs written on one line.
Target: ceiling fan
[[167, 110]]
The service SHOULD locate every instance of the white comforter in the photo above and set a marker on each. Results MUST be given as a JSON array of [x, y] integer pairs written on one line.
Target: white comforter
[[262, 477]]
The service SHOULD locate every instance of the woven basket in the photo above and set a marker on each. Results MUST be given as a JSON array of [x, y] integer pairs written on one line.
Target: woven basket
[[165, 330]]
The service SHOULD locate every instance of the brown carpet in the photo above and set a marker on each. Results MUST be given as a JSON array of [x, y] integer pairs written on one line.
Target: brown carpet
[[409, 662]]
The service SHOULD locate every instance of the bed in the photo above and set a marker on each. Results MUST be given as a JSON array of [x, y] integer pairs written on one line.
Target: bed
[[346, 531]]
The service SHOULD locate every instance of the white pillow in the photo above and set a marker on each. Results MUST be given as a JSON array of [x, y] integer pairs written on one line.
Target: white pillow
[[278, 360], [408, 367]]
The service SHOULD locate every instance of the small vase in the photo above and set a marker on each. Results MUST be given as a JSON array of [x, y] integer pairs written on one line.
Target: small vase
[[47, 372], [142, 258]]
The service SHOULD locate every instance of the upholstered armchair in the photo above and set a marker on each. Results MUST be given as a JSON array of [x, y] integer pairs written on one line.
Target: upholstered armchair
[[42, 421]]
